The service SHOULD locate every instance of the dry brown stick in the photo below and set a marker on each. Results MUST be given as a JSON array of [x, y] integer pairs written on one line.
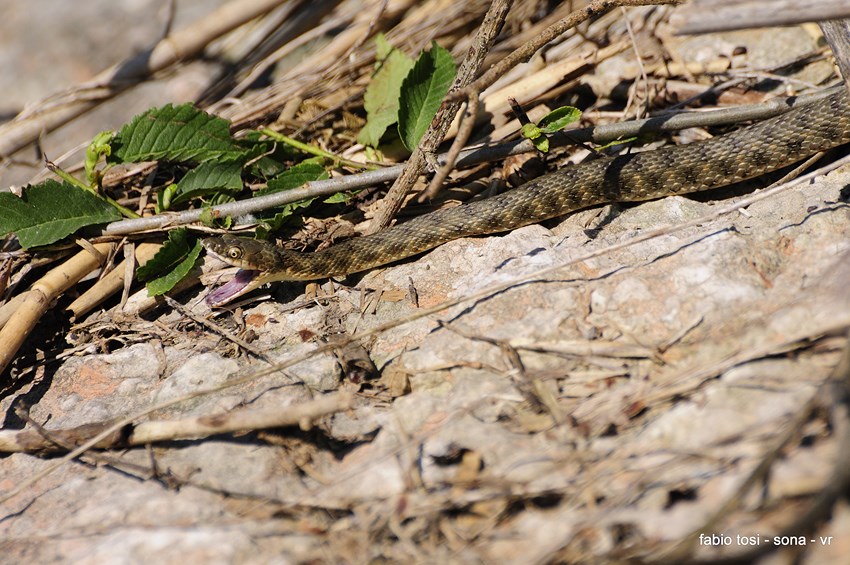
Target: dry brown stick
[[524, 53], [703, 16], [42, 294], [837, 34], [467, 124], [8, 309], [209, 324], [179, 46], [92, 458], [112, 282], [243, 419], [250, 418], [490, 27]]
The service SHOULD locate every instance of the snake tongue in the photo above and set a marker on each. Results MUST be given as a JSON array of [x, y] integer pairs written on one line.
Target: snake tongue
[[230, 290]]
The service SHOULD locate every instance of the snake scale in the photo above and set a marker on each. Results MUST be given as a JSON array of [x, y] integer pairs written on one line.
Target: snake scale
[[742, 154]]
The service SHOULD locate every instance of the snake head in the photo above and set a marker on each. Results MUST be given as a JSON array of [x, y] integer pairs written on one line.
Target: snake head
[[239, 252], [259, 262]]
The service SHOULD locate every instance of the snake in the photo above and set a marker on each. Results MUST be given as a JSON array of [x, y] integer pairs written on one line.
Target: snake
[[742, 154]]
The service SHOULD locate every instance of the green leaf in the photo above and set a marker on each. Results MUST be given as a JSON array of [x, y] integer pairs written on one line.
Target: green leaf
[[99, 146], [381, 100], [266, 168], [530, 131], [382, 47], [534, 133], [339, 197], [558, 119], [173, 251], [174, 133], [273, 223], [554, 121], [207, 178], [541, 143], [296, 176], [171, 263], [163, 198], [166, 282], [422, 92], [49, 211], [210, 219], [617, 142]]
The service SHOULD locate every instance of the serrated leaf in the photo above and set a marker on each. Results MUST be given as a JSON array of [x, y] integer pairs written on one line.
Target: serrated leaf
[[49, 211], [207, 178], [167, 281], [381, 100], [422, 92], [171, 263], [559, 118], [172, 252], [174, 133], [296, 176]]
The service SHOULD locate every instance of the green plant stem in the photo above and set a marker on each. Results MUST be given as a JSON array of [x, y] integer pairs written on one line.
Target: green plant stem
[[126, 212], [313, 150], [71, 179]]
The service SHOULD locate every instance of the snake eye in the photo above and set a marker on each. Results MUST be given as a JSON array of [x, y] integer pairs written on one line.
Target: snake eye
[[234, 253]]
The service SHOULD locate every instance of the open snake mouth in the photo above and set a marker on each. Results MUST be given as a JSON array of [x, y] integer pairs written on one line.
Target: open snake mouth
[[230, 290]]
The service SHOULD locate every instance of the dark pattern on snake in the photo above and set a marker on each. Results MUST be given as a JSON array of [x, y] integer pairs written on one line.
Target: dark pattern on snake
[[723, 160]]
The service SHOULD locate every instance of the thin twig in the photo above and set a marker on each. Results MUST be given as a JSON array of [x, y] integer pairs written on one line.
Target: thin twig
[[467, 124], [639, 60], [39, 440], [210, 325], [56, 440]]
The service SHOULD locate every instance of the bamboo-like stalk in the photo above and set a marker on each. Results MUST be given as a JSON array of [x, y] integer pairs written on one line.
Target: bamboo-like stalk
[[42, 294], [112, 282]]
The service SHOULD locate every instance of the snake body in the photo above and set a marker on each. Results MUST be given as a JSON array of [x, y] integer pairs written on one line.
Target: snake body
[[736, 156]]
